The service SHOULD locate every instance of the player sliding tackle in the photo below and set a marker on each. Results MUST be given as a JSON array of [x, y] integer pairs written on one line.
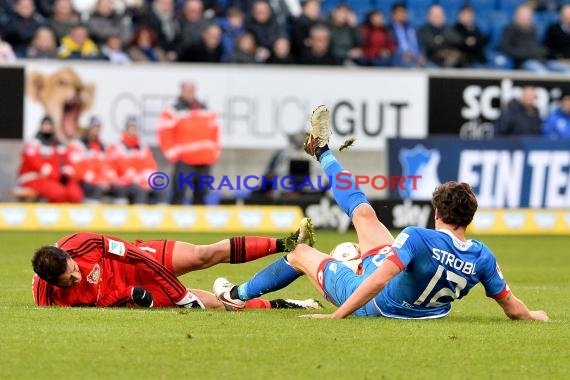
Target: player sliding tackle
[[415, 276], [87, 269]]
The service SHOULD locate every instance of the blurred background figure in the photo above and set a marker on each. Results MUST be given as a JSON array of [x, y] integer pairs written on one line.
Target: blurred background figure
[[145, 48], [78, 45], [520, 117], [408, 53], [474, 41], [244, 50], [346, 39], [557, 38], [190, 139], [264, 27], [301, 26], [21, 27], [113, 51], [98, 177], [44, 45], [6, 52], [378, 45], [318, 50], [208, 49], [520, 41], [232, 27], [440, 42], [105, 22], [557, 124], [162, 19], [45, 169], [281, 53], [64, 18]]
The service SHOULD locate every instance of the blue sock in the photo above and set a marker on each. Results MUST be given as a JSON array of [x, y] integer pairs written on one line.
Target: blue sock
[[347, 196], [273, 277]]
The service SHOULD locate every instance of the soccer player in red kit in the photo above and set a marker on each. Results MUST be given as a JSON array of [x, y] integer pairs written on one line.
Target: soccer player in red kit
[[89, 269]]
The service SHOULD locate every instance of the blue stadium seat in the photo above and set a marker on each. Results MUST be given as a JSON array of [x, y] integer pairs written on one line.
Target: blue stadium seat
[[451, 8], [417, 11], [510, 5], [483, 6]]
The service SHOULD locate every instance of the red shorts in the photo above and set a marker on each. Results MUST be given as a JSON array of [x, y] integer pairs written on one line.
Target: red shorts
[[160, 250]]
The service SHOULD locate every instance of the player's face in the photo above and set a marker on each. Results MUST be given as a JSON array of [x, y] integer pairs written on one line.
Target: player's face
[[71, 277]]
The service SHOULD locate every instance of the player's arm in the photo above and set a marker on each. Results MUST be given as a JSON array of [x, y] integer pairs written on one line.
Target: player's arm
[[515, 309], [368, 289], [129, 254], [132, 295]]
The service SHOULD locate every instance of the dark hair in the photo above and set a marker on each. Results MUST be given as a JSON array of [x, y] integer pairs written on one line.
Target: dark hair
[[399, 5], [140, 31], [49, 263], [369, 15], [455, 203]]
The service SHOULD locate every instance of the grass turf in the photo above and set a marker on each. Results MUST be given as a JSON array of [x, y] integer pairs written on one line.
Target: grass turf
[[475, 342]]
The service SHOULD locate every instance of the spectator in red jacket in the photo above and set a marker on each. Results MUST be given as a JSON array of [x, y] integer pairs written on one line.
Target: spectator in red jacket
[[45, 167], [378, 43]]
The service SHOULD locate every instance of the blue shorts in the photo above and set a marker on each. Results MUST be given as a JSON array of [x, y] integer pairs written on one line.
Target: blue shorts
[[339, 282]]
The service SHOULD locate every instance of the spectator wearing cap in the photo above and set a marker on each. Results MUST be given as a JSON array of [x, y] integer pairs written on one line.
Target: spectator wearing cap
[[78, 45], [520, 117], [408, 52], [134, 163], [557, 124]]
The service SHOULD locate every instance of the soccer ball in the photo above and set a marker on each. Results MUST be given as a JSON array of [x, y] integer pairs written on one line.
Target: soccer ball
[[349, 254]]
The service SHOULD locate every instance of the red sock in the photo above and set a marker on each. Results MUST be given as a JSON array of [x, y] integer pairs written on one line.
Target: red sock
[[249, 248], [257, 303]]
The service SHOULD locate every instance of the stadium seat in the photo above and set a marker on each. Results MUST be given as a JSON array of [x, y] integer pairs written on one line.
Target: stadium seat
[[510, 5], [483, 6]]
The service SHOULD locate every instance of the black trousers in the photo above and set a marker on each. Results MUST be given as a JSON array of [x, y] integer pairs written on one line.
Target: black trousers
[[180, 187]]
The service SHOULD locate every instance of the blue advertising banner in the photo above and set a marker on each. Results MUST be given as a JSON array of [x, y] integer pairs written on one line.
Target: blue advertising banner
[[504, 173]]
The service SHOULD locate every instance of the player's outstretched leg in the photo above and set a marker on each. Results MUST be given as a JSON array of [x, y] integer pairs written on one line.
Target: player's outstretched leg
[[187, 257], [371, 233], [258, 303], [275, 276]]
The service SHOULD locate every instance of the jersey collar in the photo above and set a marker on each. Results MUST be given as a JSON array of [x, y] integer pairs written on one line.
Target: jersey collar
[[460, 245]]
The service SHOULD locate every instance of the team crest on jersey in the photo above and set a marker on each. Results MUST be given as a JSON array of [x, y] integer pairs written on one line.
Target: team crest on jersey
[[93, 277], [116, 247]]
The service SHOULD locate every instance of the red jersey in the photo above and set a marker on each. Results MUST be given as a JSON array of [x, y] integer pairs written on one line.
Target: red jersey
[[110, 268]]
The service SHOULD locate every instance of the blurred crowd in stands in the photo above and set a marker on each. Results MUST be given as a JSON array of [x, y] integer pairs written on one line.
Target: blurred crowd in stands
[[530, 35]]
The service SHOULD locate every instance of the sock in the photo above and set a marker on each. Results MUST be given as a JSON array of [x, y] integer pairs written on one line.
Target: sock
[[319, 152], [258, 303], [249, 248], [349, 198], [275, 276], [282, 304]]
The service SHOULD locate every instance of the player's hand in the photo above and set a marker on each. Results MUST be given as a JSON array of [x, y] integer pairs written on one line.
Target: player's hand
[[539, 315], [190, 301], [141, 296]]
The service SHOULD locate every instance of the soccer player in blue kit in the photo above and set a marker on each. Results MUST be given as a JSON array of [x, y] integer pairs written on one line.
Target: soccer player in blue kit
[[415, 276]]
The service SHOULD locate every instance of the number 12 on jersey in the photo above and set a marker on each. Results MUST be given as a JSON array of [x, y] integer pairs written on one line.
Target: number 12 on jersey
[[460, 284]]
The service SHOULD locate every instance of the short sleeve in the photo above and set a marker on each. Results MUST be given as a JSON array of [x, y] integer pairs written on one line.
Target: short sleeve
[[404, 246], [493, 280]]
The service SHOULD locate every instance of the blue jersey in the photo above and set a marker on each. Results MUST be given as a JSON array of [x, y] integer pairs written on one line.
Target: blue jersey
[[437, 268]]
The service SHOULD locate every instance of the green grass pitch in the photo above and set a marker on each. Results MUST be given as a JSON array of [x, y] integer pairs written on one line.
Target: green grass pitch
[[475, 342]]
